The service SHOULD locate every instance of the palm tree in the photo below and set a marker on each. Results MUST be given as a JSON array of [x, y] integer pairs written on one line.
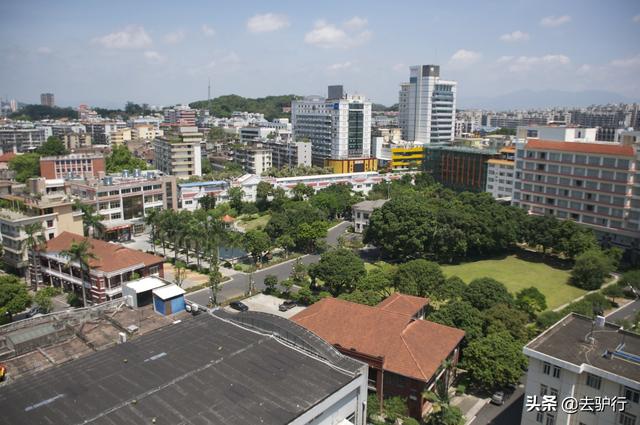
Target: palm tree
[[92, 222], [442, 412], [80, 253], [151, 219], [35, 239]]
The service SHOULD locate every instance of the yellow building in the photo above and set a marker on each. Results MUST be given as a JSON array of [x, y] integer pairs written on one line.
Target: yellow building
[[407, 158], [120, 136], [359, 165]]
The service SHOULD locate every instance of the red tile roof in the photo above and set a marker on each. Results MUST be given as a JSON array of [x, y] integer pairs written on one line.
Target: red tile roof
[[409, 347], [111, 257], [401, 303], [7, 157], [597, 148]]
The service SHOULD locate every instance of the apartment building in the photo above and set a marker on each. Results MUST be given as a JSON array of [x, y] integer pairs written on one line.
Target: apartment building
[[459, 168], [101, 131], [338, 128], [255, 159], [72, 166], [593, 184], [120, 136], [21, 137], [560, 133], [255, 134], [427, 106], [190, 194], [113, 266], [145, 132], [180, 116], [583, 359], [125, 200], [47, 99], [54, 212], [501, 174], [289, 153], [74, 141], [180, 154]]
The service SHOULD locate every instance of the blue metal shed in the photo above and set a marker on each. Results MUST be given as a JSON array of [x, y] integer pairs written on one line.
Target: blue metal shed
[[168, 300]]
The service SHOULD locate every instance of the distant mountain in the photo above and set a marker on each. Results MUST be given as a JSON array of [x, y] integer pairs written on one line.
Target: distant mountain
[[529, 99], [270, 106]]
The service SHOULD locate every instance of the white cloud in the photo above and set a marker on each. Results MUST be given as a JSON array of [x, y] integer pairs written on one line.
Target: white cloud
[[267, 22], [636, 19], [525, 63], [514, 36], [131, 37], [356, 23], [463, 58], [208, 31], [631, 62], [555, 21], [154, 57], [340, 66], [174, 37], [328, 35], [44, 50]]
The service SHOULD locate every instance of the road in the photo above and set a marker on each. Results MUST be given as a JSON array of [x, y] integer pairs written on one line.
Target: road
[[239, 283], [628, 312], [507, 414]]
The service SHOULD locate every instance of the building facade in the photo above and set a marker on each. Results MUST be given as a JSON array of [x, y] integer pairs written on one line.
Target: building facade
[[47, 99], [180, 154], [361, 212], [458, 168], [427, 106], [72, 166], [254, 159], [289, 153], [21, 138], [501, 174]]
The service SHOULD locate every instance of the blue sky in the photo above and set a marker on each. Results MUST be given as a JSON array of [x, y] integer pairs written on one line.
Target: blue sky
[[161, 52]]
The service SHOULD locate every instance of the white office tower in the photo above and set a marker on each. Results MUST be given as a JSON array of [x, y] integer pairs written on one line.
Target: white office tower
[[338, 127], [427, 106]]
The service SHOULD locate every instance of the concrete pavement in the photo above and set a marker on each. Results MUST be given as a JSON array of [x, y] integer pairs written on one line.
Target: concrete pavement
[[626, 312], [239, 283]]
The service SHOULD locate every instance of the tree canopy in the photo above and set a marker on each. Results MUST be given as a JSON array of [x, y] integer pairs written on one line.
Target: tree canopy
[[485, 292], [121, 159], [25, 166], [591, 269], [418, 277], [340, 270], [14, 297], [224, 106]]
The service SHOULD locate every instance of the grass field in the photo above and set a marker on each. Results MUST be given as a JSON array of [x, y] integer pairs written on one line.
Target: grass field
[[517, 274], [259, 222]]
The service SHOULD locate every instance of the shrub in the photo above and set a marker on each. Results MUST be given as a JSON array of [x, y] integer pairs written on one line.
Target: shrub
[[237, 267]]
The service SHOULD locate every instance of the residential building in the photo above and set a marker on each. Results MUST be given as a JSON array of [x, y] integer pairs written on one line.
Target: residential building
[[180, 116], [125, 200], [560, 133], [72, 166], [590, 183], [191, 193], [288, 153], [501, 174], [338, 129], [101, 131], [54, 212], [255, 134], [21, 137], [47, 99], [584, 359], [405, 354], [628, 137], [458, 168], [427, 106], [607, 121], [120, 136], [362, 211], [113, 266], [213, 368], [146, 132], [73, 141], [254, 159], [180, 154]]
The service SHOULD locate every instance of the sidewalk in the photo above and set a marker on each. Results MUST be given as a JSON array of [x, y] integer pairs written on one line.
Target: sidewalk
[[469, 405]]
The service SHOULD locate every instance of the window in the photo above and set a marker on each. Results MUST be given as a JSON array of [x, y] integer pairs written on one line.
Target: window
[[626, 419], [556, 372], [539, 417], [631, 395], [546, 368], [594, 381], [551, 419], [49, 223], [543, 389]]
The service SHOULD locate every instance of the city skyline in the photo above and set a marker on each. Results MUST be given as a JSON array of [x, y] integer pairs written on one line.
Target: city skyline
[[98, 57]]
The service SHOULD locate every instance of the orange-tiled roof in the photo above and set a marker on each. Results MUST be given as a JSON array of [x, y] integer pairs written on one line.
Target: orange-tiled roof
[[111, 257], [409, 347], [228, 219], [501, 161], [7, 157], [597, 148], [401, 303], [508, 149]]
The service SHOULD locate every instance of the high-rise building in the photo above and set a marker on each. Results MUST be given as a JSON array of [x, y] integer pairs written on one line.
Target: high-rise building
[[427, 106], [180, 154], [47, 99], [338, 128]]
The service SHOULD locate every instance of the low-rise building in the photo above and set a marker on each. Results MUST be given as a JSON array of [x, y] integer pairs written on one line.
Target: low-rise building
[[254, 159], [190, 194], [583, 359], [362, 211], [405, 354], [407, 157], [113, 266], [72, 166], [180, 154], [74, 141]]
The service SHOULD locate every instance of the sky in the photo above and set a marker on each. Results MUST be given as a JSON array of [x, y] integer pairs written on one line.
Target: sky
[[104, 53]]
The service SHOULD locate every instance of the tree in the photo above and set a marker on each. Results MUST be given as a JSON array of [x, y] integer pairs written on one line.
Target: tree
[[52, 147], [286, 242], [207, 202], [452, 289], [121, 159], [14, 297], [418, 277], [631, 278], [442, 412], [263, 191], [206, 166], [235, 198], [591, 269], [495, 360], [214, 283], [339, 269], [377, 280], [307, 235], [256, 242], [80, 253], [486, 292], [286, 286], [531, 301], [92, 222], [461, 315], [43, 298], [395, 408], [299, 273], [301, 191], [502, 317], [613, 291], [35, 239], [25, 166], [179, 273], [271, 282]]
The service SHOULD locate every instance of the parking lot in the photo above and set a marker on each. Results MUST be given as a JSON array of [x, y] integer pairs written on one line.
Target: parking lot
[[268, 304]]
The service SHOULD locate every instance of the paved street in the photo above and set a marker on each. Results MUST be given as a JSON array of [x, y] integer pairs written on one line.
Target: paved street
[[507, 414], [239, 283], [628, 312]]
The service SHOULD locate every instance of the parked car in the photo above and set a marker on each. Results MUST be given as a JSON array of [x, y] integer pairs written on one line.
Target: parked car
[[497, 398], [287, 305], [237, 305], [33, 311]]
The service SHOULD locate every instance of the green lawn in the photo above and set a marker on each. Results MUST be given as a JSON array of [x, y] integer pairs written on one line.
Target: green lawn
[[259, 222], [517, 274]]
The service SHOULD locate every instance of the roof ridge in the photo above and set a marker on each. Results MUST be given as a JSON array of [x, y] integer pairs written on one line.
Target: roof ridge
[[411, 353]]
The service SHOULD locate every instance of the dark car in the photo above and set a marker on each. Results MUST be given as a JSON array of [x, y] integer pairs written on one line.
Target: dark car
[[287, 305], [237, 305]]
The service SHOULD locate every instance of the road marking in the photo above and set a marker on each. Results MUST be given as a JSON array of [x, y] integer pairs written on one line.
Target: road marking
[[43, 403], [156, 357]]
